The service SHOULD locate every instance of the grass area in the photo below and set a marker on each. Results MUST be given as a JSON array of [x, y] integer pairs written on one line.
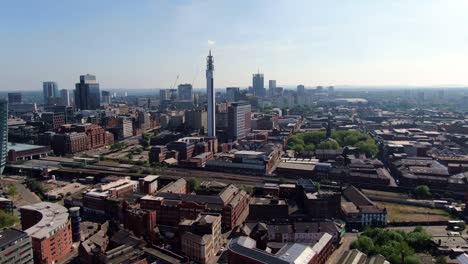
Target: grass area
[[386, 194], [409, 213]]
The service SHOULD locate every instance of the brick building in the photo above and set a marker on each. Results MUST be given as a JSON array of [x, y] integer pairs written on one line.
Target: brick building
[[322, 204], [202, 238], [157, 153], [171, 207], [148, 184], [49, 226], [69, 143], [97, 200], [53, 120], [140, 222], [80, 137]]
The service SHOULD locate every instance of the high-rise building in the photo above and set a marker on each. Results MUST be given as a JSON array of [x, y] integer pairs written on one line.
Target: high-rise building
[[239, 119], [65, 97], [210, 96], [271, 87], [164, 94], [106, 97], [300, 90], [14, 98], [184, 92], [232, 94], [87, 95], [258, 85], [331, 91], [50, 91], [3, 133], [196, 119]]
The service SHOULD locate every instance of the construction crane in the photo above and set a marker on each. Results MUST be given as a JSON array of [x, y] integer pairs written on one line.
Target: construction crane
[[175, 82]]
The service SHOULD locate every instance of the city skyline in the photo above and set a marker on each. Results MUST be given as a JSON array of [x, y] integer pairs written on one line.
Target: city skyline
[[393, 43]]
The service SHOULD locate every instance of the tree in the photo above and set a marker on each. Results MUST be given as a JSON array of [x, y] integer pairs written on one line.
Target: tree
[[422, 191], [7, 220], [193, 184], [309, 147], [317, 185], [364, 244], [441, 260], [36, 187], [329, 144], [247, 189], [129, 155], [11, 189]]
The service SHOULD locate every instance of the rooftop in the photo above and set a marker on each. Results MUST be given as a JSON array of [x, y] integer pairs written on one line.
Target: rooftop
[[22, 147], [10, 235], [54, 217]]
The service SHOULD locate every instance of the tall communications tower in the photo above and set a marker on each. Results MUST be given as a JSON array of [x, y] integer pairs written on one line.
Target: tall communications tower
[[210, 94]]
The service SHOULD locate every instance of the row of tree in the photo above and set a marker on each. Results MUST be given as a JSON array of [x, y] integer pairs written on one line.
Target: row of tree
[[309, 141], [394, 245]]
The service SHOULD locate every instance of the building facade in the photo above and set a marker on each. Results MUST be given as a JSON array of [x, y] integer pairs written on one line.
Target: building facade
[[3, 133], [65, 97], [196, 119], [50, 91], [14, 98], [232, 94], [87, 95], [49, 226], [185, 92], [15, 247], [239, 120], [258, 85], [203, 237], [271, 87]]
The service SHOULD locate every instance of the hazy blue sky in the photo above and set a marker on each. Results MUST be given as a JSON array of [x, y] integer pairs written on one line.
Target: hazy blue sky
[[145, 44]]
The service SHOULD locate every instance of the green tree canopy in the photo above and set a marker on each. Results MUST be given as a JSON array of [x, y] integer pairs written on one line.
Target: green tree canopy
[[309, 141], [422, 191], [7, 220]]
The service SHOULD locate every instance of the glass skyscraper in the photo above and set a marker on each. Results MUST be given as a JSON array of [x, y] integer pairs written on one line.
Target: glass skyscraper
[[87, 95], [258, 85], [50, 90], [3, 133]]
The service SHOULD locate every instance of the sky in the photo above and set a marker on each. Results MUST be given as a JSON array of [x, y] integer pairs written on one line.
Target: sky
[[146, 44]]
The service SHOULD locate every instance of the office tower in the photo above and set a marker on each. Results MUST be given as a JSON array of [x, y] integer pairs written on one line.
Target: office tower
[[210, 96], [300, 90], [106, 97], [87, 95], [50, 91], [232, 94], [271, 87], [331, 91], [196, 120], [164, 94], [239, 119], [184, 92], [65, 97], [14, 98], [258, 84], [3, 133]]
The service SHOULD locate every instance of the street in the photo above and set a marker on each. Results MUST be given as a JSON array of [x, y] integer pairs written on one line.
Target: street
[[346, 241]]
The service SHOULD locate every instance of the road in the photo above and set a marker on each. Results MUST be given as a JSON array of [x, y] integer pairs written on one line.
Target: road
[[24, 196], [346, 241]]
